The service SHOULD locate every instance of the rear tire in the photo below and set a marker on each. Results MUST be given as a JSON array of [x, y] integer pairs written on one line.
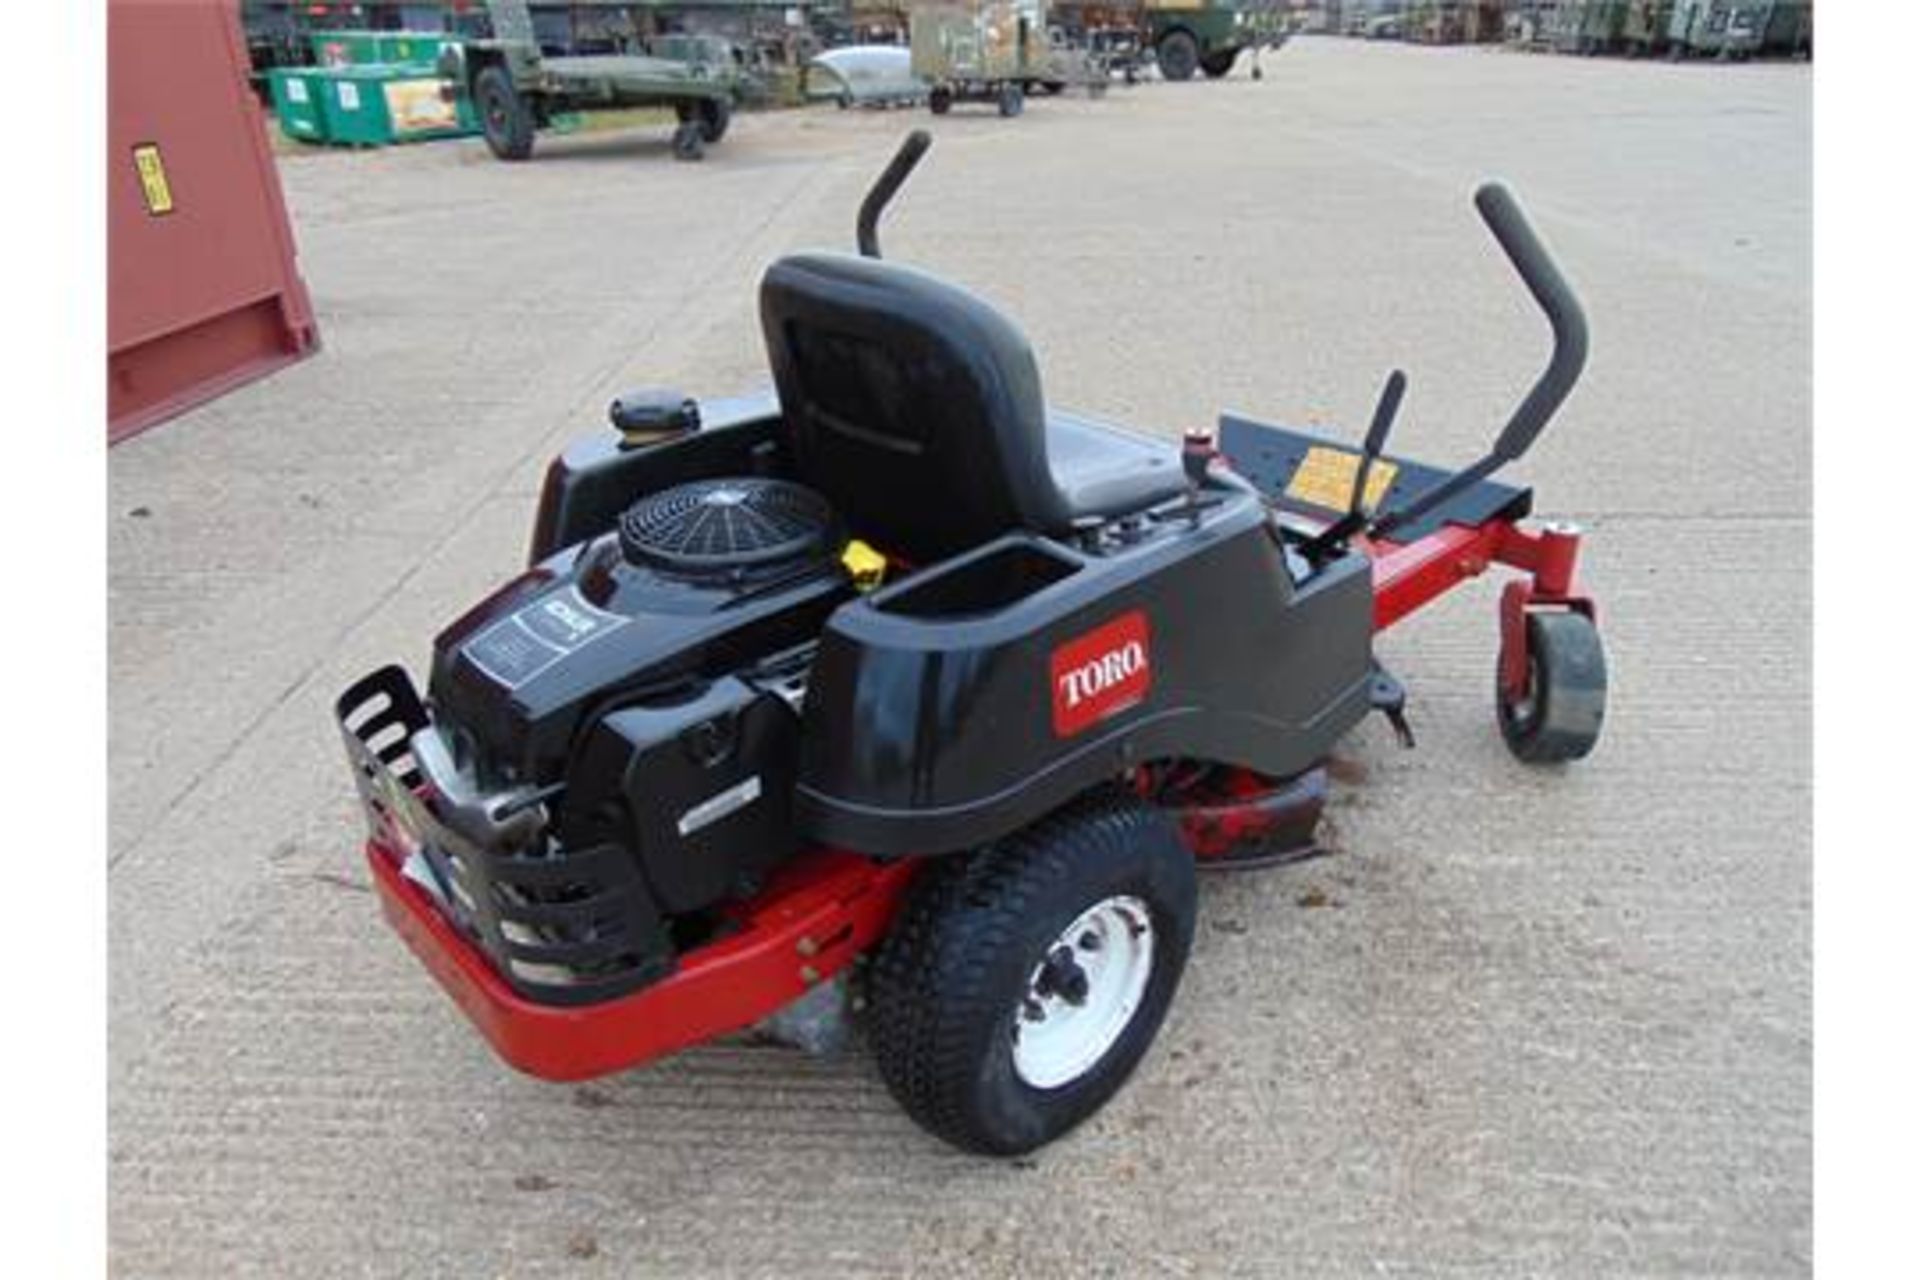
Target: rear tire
[[504, 116], [1178, 55], [1012, 100], [1216, 65], [1559, 716], [940, 101], [974, 961]]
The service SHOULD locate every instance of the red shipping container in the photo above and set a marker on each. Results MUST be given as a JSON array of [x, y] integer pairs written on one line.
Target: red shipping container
[[202, 290]]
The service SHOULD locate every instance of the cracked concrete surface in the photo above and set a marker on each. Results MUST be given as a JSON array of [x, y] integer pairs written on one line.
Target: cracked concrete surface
[[1521, 1022]]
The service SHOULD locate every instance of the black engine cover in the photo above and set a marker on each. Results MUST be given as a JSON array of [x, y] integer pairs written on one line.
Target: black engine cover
[[587, 631], [702, 785]]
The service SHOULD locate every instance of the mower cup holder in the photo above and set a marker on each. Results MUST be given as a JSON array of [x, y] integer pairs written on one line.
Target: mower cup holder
[[994, 579]]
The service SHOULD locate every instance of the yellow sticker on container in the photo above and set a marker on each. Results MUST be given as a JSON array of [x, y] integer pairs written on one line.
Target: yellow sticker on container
[[153, 179], [1325, 478]]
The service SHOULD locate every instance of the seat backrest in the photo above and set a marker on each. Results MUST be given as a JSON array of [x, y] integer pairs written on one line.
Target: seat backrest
[[913, 406]]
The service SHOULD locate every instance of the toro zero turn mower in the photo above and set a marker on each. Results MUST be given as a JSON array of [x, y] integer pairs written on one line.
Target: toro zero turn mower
[[895, 697]]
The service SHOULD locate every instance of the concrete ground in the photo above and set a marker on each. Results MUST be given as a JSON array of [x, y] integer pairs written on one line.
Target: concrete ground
[[1521, 1022]]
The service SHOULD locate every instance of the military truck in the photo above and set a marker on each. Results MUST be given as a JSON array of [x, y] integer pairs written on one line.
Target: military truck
[[516, 90], [1741, 28], [1208, 35]]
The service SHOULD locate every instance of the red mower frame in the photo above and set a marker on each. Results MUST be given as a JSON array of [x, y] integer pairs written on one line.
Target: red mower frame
[[822, 909], [826, 907]]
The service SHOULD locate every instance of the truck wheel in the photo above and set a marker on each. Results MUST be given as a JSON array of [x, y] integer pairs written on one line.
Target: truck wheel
[[504, 116], [1012, 100], [713, 115], [1178, 55], [1022, 983], [1219, 64], [688, 142], [940, 101], [1558, 717]]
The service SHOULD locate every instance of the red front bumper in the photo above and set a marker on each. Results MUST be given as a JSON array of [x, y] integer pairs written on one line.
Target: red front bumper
[[812, 920]]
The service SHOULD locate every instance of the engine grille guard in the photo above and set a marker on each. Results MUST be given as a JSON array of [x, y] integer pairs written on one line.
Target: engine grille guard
[[815, 915], [561, 926]]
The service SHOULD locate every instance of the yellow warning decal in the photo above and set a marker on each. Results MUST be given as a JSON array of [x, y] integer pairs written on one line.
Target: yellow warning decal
[[153, 179], [864, 565], [1325, 478]]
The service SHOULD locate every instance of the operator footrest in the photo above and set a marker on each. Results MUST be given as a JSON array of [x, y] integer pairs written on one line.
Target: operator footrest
[[1313, 477]]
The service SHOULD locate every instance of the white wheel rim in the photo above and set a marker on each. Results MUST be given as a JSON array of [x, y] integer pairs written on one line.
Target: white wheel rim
[[1057, 1038]]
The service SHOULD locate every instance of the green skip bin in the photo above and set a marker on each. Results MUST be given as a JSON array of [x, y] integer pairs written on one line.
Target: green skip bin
[[368, 106]]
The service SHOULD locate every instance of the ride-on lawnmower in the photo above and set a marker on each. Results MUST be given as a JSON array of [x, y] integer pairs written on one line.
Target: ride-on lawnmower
[[897, 693]]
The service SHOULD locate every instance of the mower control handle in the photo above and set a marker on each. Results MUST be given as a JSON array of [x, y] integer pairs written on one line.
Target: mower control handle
[[1550, 289], [1501, 212], [867, 230]]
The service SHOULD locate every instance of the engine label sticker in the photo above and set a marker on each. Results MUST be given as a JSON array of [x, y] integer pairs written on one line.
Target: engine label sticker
[[1101, 673], [1325, 479], [518, 648]]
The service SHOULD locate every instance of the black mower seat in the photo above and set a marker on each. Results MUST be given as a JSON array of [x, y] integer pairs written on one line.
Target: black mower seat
[[916, 409], [1107, 470]]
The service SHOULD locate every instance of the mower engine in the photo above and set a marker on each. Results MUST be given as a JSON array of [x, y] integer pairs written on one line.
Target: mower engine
[[612, 738]]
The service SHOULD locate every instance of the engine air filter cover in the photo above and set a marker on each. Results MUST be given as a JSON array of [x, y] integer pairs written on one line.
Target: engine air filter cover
[[728, 527]]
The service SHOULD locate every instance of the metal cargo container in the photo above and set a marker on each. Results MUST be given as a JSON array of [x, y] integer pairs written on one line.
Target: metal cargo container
[[202, 290]]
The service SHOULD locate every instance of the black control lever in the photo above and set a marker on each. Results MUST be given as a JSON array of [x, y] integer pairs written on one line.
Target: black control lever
[[1337, 533], [867, 229], [1389, 697], [1537, 270]]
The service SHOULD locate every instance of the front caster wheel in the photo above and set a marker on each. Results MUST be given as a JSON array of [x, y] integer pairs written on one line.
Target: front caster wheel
[[1558, 716], [1022, 983]]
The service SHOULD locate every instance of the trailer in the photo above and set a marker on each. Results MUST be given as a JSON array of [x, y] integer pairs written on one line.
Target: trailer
[[980, 51], [516, 90]]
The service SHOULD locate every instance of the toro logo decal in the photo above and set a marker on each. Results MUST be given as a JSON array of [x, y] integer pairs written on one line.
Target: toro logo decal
[[1101, 673]]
